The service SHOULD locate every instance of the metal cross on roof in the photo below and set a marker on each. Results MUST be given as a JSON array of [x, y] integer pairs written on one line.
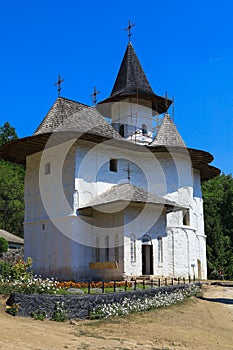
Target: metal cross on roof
[[93, 96], [130, 25], [58, 84]]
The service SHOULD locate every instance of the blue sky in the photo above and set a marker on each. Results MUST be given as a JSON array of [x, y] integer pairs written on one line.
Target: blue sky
[[185, 48]]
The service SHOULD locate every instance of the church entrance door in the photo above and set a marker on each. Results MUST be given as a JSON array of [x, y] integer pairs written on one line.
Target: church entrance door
[[147, 259]]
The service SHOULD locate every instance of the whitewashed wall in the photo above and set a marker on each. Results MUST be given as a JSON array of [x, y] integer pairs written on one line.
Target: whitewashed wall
[[86, 174]]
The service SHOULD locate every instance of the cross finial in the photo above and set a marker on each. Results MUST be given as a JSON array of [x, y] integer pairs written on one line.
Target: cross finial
[[130, 25], [93, 96], [58, 84]]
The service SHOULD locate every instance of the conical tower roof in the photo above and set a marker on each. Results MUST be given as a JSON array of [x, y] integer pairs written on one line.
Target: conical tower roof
[[131, 82], [131, 78], [167, 134]]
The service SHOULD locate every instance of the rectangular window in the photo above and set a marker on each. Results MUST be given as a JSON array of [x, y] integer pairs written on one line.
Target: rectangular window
[[160, 250], [47, 169], [107, 248], [113, 165], [133, 248], [186, 218]]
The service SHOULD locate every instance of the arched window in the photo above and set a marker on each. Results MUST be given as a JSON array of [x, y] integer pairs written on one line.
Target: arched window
[[122, 130], [107, 248], [160, 250], [116, 247], [97, 249], [47, 168], [144, 130], [133, 248]]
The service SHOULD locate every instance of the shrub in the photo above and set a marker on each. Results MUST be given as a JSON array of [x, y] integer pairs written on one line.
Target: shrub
[[3, 245], [59, 314], [13, 309], [5, 270], [38, 315]]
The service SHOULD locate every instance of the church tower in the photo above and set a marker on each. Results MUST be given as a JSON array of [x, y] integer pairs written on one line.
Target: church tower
[[132, 104]]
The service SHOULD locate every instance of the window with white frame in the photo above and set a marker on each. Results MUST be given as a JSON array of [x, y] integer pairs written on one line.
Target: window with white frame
[[160, 250], [133, 248]]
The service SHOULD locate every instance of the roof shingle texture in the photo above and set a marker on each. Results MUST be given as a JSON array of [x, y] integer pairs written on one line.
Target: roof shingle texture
[[67, 115], [132, 82], [131, 78], [129, 193], [168, 134]]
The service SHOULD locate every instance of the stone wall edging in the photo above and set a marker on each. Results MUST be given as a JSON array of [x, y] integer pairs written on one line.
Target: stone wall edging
[[79, 307]]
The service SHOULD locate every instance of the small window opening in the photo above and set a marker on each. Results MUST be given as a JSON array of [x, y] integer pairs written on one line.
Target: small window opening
[[43, 227], [144, 130], [113, 165], [186, 218], [160, 250], [107, 248], [47, 168], [122, 130], [133, 248]]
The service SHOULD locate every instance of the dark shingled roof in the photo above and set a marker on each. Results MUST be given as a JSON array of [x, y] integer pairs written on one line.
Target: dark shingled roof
[[168, 134], [130, 193], [131, 82], [68, 115]]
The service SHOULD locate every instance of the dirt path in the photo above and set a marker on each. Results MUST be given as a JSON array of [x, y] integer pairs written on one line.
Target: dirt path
[[196, 324]]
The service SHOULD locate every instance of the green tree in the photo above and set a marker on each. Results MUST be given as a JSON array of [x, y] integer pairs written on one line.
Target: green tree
[[11, 198], [3, 245], [218, 210], [7, 133], [11, 188]]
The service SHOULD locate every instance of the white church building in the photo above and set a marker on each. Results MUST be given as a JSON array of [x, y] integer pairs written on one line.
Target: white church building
[[111, 191]]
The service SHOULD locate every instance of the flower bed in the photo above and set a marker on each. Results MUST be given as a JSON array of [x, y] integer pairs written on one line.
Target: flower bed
[[136, 304], [84, 285]]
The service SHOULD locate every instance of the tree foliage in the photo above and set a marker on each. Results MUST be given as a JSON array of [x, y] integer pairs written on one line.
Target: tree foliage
[[3, 245], [7, 133], [218, 210], [11, 188]]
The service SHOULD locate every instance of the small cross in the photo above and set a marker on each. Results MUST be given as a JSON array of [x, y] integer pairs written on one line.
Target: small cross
[[58, 84], [93, 96], [130, 25]]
